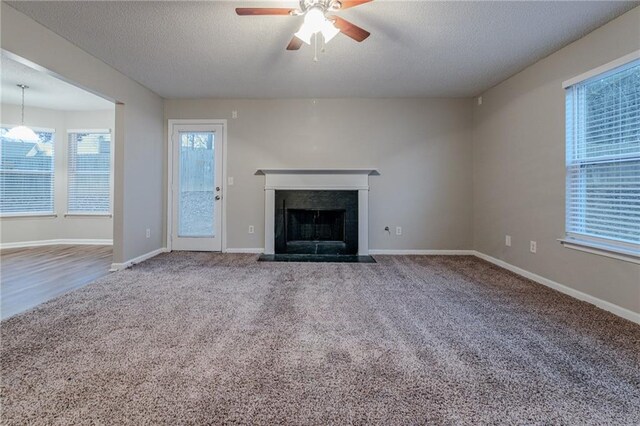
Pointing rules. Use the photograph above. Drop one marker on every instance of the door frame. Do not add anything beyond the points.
(206, 121)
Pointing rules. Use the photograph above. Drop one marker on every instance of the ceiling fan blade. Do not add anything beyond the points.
(346, 4)
(255, 11)
(294, 44)
(347, 28)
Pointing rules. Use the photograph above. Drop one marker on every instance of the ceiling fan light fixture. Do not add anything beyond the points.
(314, 20)
(22, 132)
(304, 34)
(329, 31)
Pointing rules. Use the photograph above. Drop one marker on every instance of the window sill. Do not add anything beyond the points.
(615, 252)
(97, 215)
(27, 215)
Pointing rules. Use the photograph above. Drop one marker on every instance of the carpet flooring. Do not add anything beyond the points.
(196, 338)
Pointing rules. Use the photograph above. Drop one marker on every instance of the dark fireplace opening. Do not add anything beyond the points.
(315, 225)
(316, 222)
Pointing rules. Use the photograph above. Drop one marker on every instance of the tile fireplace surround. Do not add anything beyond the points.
(318, 180)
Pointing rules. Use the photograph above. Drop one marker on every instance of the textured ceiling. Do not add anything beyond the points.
(44, 90)
(417, 48)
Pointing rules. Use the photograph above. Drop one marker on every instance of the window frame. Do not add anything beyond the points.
(111, 173)
(621, 250)
(53, 212)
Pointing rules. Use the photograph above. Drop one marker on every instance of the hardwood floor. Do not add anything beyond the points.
(31, 276)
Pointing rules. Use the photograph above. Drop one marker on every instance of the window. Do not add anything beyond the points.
(89, 172)
(26, 174)
(603, 159)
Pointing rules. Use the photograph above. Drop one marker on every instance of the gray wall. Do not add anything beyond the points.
(422, 148)
(519, 172)
(429, 182)
(13, 230)
(139, 189)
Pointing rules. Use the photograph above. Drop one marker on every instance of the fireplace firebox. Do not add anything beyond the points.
(314, 225)
(316, 222)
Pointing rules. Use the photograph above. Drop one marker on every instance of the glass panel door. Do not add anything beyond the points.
(196, 187)
(196, 190)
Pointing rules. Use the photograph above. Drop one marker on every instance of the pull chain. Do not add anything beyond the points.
(315, 47)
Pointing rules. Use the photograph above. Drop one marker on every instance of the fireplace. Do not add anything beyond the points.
(316, 222)
(354, 182)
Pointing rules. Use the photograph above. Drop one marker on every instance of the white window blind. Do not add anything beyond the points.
(89, 172)
(27, 174)
(603, 158)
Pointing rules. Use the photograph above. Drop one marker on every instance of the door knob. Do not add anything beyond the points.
(217, 189)
(217, 197)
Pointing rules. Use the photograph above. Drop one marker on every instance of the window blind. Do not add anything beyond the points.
(603, 157)
(27, 174)
(89, 172)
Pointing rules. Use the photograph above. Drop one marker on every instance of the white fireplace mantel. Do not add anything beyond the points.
(361, 171)
(317, 180)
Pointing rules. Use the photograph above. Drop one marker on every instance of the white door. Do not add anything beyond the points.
(196, 187)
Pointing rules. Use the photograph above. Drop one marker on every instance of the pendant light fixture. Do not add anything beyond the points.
(22, 132)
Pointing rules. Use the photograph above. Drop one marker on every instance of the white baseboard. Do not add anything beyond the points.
(422, 252)
(64, 241)
(120, 266)
(603, 304)
(244, 250)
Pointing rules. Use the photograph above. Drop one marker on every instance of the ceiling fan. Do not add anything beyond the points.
(316, 20)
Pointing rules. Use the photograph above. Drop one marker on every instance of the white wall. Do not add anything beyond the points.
(519, 169)
(25, 229)
(422, 148)
(139, 147)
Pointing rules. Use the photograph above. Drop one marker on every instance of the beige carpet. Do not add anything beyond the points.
(201, 338)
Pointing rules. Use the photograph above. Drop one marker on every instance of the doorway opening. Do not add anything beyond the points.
(56, 185)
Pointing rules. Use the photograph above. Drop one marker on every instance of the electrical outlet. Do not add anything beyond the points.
(398, 230)
(507, 240)
(148, 233)
(533, 247)
(251, 229)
